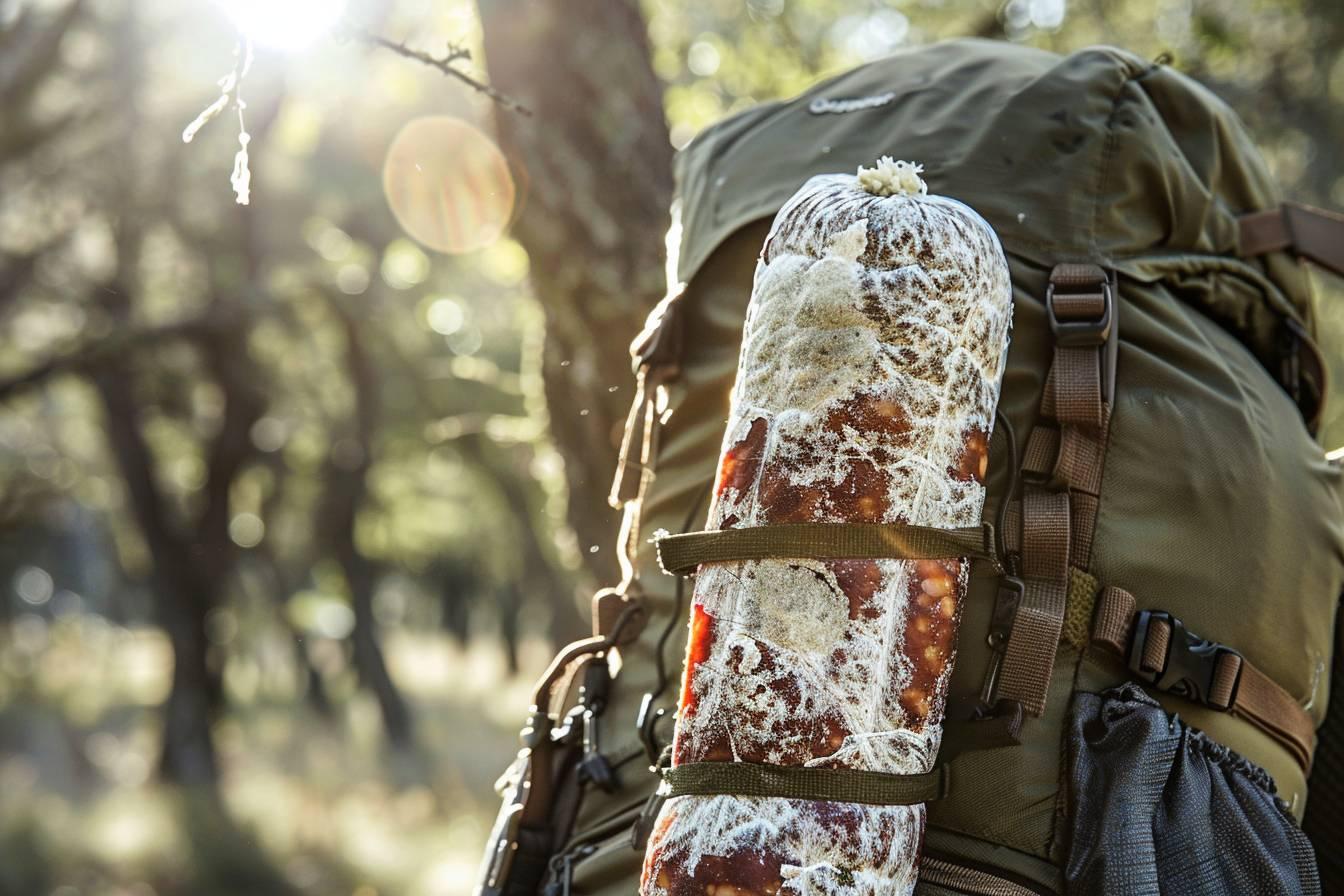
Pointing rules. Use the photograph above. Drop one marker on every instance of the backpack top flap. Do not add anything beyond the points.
(1098, 156)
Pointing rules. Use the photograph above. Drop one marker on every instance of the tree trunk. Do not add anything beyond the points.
(347, 470)
(368, 654)
(538, 573)
(594, 164)
(188, 751)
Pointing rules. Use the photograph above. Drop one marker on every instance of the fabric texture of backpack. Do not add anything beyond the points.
(1175, 526)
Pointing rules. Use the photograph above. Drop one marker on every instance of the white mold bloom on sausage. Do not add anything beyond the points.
(869, 373)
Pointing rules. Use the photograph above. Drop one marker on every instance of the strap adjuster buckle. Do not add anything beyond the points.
(1084, 332)
(1190, 664)
(1087, 332)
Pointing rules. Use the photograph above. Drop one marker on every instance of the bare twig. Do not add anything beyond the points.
(445, 64)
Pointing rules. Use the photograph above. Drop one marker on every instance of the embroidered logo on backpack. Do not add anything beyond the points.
(823, 105)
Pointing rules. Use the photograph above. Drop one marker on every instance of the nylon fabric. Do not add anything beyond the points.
(682, 554)
(1079, 306)
(1029, 656)
(1217, 505)
(1113, 619)
(1133, 136)
(1237, 686)
(1139, 778)
(1311, 233)
(1077, 381)
(1225, 679)
(749, 779)
(1155, 648)
(1215, 501)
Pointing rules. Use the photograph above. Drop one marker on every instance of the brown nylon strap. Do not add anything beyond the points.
(1045, 536)
(1083, 510)
(1076, 377)
(682, 554)
(1078, 463)
(1080, 306)
(1029, 657)
(1062, 468)
(621, 488)
(841, 785)
(1270, 708)
(1225, 679)
(1254, 696)
(1155, 648)
(1312, 233)
(1075, 276)
(1042, 451)
(1113, 619)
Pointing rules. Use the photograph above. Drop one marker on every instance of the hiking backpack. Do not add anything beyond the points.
(1161, 647)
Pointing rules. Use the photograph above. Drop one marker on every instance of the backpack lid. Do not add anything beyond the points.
(1099, 156)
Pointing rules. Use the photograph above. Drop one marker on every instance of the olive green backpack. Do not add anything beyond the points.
(1167, 513)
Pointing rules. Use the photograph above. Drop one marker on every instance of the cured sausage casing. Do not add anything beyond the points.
(869, 373)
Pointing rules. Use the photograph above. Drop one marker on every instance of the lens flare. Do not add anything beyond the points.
(448, 184)
(284, 24)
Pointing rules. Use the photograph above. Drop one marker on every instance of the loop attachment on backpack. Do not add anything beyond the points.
(1080, 305)
(839, 785)
(683, 554)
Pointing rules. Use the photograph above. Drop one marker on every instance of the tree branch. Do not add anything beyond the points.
(92, 353)
(444, 64)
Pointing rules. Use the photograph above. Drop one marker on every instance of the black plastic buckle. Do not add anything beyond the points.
(1007, 600)
(1082, 333)
(1099, 333)
(1191, 662)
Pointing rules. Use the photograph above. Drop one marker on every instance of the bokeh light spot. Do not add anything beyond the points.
(445, 316)
(247, 530)
(34, 585)
(448, 184)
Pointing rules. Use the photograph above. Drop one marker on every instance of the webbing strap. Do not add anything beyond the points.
(1076, 378)
(839, 785)
(1311, 233)
(1062, 467)
(1230, 682)
(682, 554)
(1029, 657)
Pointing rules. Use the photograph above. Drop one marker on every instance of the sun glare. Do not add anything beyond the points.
(284, 24)
(448, 184)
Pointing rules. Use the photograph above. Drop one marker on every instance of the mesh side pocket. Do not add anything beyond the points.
(1158, 807)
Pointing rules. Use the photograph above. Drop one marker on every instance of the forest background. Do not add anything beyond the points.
(297, 496)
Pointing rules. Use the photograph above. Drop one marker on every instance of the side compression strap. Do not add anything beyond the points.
(1163, 654)
(841, 785)
(681, 554)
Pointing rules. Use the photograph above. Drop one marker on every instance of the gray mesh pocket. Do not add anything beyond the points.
(1158, 807)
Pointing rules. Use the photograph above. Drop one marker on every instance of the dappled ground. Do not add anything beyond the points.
(319, 805)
